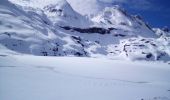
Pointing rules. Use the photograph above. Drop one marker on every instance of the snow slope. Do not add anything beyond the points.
(50, 78)
(56, 28)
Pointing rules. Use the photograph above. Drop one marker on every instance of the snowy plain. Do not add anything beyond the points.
(27, 77)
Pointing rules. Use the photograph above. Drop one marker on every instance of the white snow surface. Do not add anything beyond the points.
(79, 78)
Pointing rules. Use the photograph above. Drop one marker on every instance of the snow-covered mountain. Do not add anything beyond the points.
(79, 28)
(88, 7)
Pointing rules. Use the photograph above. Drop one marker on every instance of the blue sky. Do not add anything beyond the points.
(155, 12)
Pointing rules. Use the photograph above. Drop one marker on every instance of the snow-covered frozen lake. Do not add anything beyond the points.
(25, 77)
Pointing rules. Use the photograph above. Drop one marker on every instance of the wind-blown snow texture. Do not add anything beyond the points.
(73, 28)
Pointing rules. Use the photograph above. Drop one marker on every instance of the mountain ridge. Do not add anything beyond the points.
(56, 29)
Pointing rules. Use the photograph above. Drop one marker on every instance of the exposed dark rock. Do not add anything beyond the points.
(147, 41)
(66, 27)
(142, 40)
(166, 29)
(89, 30)
(153, 44)
(148, 26)
(78, 54)
(45, 22)
(140, 45)
(97, 42)
(8, 34)
(160, 56)
(149, 55)
(76, 38)
(44, 53)
(92, 30)
(125, 50)
(119, 35)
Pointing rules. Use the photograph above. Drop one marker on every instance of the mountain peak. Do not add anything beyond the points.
(88, 7)
(60, 28)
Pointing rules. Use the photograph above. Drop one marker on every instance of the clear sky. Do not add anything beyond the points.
(155, 12)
